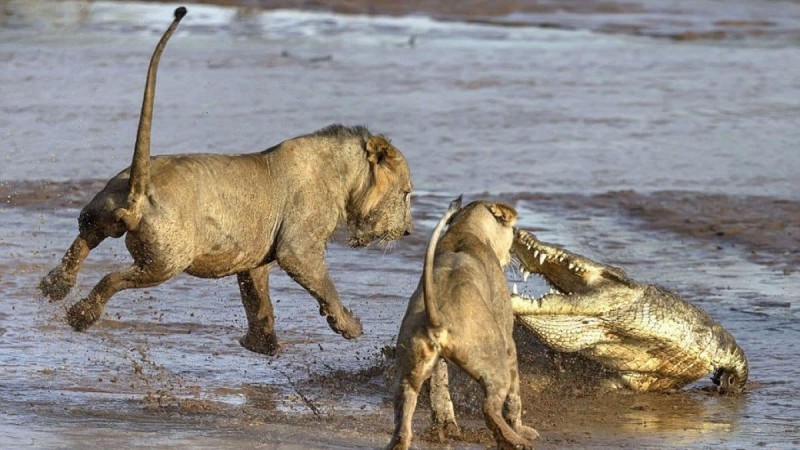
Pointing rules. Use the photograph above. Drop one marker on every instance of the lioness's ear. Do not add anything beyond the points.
(504, 214)
(379, 149)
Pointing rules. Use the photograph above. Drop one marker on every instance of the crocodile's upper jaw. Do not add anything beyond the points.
(565, 271)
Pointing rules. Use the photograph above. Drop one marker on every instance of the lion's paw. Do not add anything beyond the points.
(346, 324)
(55, 285)
(260, 343)
(83, 314)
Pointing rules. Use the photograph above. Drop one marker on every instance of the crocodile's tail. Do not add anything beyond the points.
(428, 288)
(140, 167)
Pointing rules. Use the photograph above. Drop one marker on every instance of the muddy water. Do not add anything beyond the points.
(674, 160)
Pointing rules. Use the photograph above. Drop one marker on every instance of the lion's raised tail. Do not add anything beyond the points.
(140, 167)
(428, 289)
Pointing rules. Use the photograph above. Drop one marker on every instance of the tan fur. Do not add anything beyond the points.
(213, 215)
(472, 303)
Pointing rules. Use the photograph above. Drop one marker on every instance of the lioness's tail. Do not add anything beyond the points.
(428, 289)
(140, 167)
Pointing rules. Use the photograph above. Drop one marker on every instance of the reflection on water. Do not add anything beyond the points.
(476, 109)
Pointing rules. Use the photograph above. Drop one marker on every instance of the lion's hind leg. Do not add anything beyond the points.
(86, 312)
(254, 287)
(59, 281)
(96, 222)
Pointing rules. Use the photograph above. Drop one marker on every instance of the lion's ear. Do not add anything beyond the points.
(504, 214)
(379, 149)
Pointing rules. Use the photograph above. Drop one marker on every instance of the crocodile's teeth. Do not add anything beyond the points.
(514, 289)
(536, 253)
(542, 258)
(561, 258)
(529, 246)
(571, 266)
(525, 275)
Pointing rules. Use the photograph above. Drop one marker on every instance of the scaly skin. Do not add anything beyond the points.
(652, 338)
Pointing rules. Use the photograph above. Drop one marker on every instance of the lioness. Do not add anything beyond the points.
(461, 311)
(215, 215)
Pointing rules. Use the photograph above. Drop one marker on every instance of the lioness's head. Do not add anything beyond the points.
(382, 208)
(491, 222)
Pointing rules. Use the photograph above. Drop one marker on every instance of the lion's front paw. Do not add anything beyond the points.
(260, 343)
(55, 285)
(346, 324)
(83, 314)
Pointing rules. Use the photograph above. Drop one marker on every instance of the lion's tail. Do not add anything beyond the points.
(428, 288)
(140, 167)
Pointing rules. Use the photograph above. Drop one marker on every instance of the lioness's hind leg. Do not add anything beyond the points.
(504, 434)
(495, 377)
(413, 368)
(86, 312)
(254, 287)
(59, 281)
(513, 406)
(444, 418)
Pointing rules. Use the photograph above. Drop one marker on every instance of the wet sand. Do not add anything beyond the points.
(560, 391)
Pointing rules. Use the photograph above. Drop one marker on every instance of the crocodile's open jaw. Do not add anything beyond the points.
(565, 271)
(570, 273)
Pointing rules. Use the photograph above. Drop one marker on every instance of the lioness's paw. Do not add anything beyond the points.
(519, 444)
(83, 314)
(441, 432)
(260, 343)
(55, 286)
(346, 324)
(527, 433)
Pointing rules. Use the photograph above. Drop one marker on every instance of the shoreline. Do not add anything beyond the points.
(768, 227)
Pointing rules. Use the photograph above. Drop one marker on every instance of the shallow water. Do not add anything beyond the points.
(485, 110)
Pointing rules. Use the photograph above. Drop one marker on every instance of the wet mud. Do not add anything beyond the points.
(319, 404)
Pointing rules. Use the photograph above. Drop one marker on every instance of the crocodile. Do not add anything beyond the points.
(648, 336)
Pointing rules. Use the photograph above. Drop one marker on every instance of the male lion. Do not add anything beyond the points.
(213, 215)
(461, 311)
